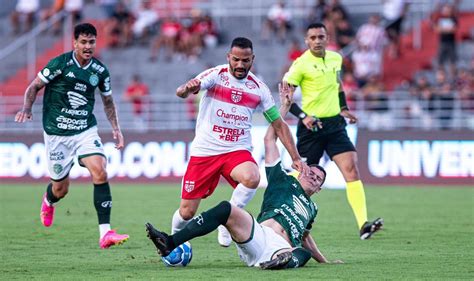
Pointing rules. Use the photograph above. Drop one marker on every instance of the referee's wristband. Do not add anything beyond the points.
(297, 111)
(342, 101)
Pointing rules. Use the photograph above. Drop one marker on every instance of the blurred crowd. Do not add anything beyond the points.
(443, 85)
(433, 94)
(168, 36)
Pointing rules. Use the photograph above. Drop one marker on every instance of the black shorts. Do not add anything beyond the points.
(332, 139)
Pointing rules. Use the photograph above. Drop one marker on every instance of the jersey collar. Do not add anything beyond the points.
(77, 62)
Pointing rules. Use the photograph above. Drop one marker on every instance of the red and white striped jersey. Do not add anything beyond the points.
(225, 112)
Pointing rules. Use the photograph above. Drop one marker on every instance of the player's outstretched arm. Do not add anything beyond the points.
(191, 87)
(282, 130)
(310, 245)
(30, 96)
(111, 113)
(271, 149)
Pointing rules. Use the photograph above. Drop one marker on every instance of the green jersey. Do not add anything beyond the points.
(286, 202)
(69, 98)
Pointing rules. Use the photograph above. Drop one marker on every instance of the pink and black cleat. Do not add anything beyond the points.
(112, 238)
(47, 213)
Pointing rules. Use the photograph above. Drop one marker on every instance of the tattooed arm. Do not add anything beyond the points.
(30, 96)
(109, 108)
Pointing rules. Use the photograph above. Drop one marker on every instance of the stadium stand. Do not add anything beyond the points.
(244, 18)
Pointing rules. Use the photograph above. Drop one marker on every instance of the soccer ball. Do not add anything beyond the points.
(180, 256)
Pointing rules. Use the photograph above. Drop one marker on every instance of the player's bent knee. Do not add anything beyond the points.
(251, 181)
(100, 176)
(187, 213)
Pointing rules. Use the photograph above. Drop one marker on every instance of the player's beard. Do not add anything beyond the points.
(244, 72)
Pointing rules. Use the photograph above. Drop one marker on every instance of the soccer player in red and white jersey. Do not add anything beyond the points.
(222, 145)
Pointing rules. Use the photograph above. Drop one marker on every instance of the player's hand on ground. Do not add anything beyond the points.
(193, 86)
(347, 114)
(337, 261)
(117, 134)
(23, 116)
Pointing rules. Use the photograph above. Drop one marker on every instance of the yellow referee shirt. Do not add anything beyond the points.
(318, 79)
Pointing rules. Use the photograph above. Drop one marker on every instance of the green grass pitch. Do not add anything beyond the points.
(429, 234)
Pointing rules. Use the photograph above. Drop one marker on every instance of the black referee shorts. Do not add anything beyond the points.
(332, 138)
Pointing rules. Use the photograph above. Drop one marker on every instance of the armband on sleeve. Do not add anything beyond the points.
(342, 101)
(272, 114)
(297, 111)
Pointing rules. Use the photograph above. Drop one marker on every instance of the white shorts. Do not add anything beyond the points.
(263, 243)
(61, 150)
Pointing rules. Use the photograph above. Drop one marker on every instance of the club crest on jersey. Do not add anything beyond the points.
(236, 96)
(94, 80)
(189, 186)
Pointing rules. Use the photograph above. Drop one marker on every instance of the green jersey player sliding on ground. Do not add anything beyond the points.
(70, 127)
(279, 237)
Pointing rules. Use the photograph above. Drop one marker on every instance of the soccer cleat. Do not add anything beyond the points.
(112, 238)
(370, 228)
(279, 262)
(223, 236)
(47, 213)
(160, 239)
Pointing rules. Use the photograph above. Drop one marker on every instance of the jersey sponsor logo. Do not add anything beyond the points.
(70, 62)
(228, 134)
(71, 74)
(94, 80)
(71, 124)
(76, 100)
(107, 84)
(53, 75)
(80, 87)
(75, 112)
(97, 143)
(189, 186)
(56, 155)
(98, 67)
(300, 208)
(235, 117)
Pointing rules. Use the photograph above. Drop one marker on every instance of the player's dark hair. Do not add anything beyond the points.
(242, 43)
(84, 28)
(316, 25)
(321, 169)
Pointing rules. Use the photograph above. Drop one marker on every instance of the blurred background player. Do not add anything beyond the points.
(321, 127)
(137, 94)
(276, 239)
(70, 127)
(222, 145)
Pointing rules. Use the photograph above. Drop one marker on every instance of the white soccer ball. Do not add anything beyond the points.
(180, 256)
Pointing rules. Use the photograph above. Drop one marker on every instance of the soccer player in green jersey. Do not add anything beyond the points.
(279, 237)
(322, 127)
(70, 127)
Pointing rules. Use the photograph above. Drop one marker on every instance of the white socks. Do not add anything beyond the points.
(242, 195)
(177, 223)
(103, 229)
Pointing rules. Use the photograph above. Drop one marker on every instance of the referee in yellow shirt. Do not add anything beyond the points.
(321, 125)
